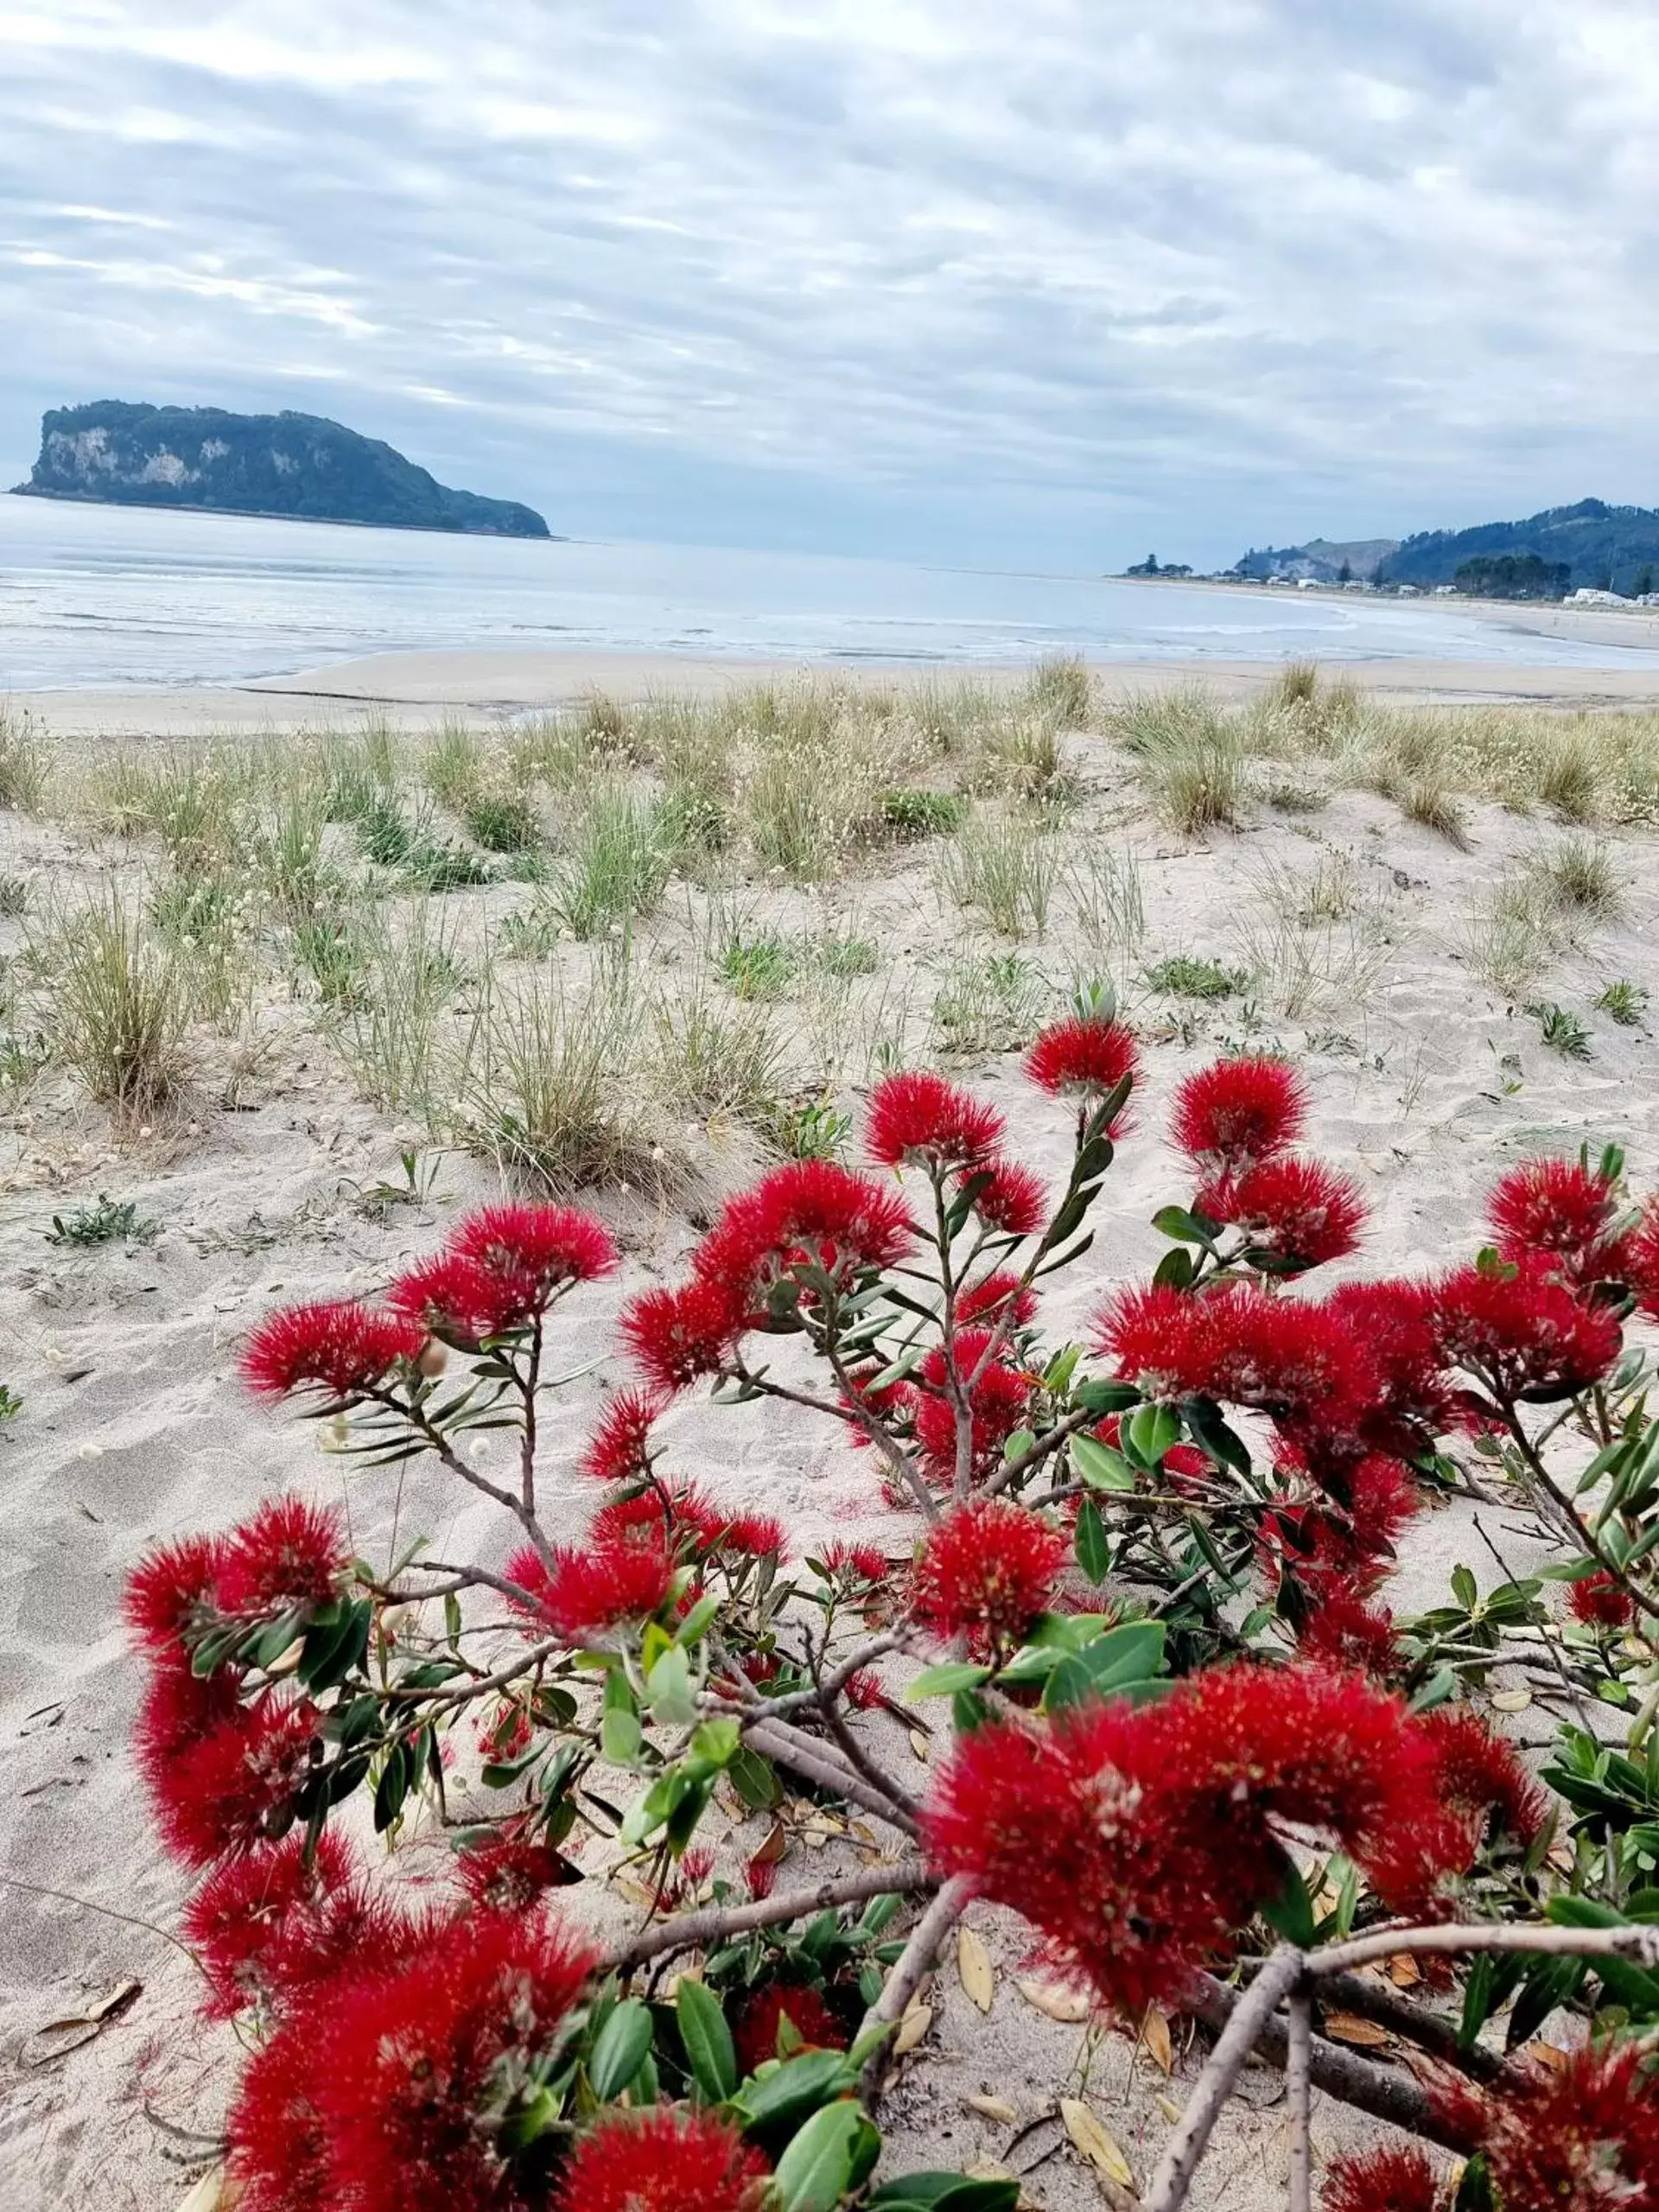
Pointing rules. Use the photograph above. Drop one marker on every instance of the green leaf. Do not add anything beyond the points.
(620, 2048)
(1291, 1913)
(946, 1680)
(707, 2039)
(619, 1734)
(1094, 1554)
(1464, 1588)
(1018, 1445)
(787, 2094)
(1185, 1228)
(815, 2171)
(715, 1743)
(935, 2192)
(1151, 1431)
(1113, 1664)
(691, 1629)
(1175, 1271)
(755, 1780)
(1100, 1466)
(1103, 1397)
(668, 1687)
(396, 1776)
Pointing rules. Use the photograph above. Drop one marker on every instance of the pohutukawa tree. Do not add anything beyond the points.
(1181, 1737)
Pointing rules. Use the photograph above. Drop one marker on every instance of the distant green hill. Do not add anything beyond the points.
(301, 465)
(1564, 548)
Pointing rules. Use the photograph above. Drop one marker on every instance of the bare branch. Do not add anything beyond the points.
(910, 1970)
(1185, 2148)
(1299, 2092)
(718, 1923)
(822, 1765)
(1640, 1944)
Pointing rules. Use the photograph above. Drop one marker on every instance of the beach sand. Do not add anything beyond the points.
(1425, 1083)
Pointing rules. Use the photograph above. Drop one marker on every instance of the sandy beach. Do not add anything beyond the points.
(266, 1180)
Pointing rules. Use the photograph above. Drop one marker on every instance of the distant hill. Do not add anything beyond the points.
(127, 454)
(1322, 559)
(1591, 545)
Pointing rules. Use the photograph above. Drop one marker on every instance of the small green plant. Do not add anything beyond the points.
(111, 1221)
(808, 1129)
(383, 830)
(620, 867)
(1624, 1002)
(530, 932)
(10, 1404)
(1190, 976)
(379, 1201)
(992, 1004)
(502, 822)
(762, 967)
(1427, 801)
(844, 957)
(453, 769)
(1580, 877)
(1562, 1031)
(446, 867)
(329, 948)
(14, 896)
(1006, 869)
(911, 814)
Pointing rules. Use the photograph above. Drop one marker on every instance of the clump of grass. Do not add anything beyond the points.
(405, 973)
(503, 821)
(911, 814)
(1190, 756)
(1580, 878)
(843, 956)
(1110, 901)
(23, 762)
(759, 967)
(290, 857)
(384, 834)
(711, 1057)
(111, 1221)
(618, 868)
(330, 949)
(1511, 937)
(205, 918)
(14, 897)
(1562, 1031)
(1190, 976)
(1005, 868)
(808, 1128)
(437, 868)
(1624, 1002)
(122, 1001)
(992, 1003)
(530, 932)
(1289, 795)
(1061, 688)
(453, 769)
(358, 772)
(1428, 802)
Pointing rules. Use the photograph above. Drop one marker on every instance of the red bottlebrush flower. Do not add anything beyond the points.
(1481, 1776)
(1380, 2181)
(754, 1535)
(1184, 1463)
(511, 1873)
(245, 1914)
(217, 1794)
(501, 1735)
(683, 1520)
(1296, 1361)
(341, 1349)
(1081, 1055)
(456, 1299)
(1640, 1258)
(1013, 1199)
(289, 1555)
(1522, 1331)
(591, 1590)
(812, 2025)
(1559, 1210)
(1157, 1339)
(178, 1709)
(278, 2145)
(759, 1876)
(1302, 1212)
(619, 1449)
(810, 1213)
(418, 2057)
(663, 2160)
(1393, 1319)
(987, 1570)
(1341, 1630)
(866, 1690)
(1600, 1600)
(171, 1590)
(1001, 1297)
(920, 1116)
(999, 1399)
(677, 1336)
(535, 1252)
(867, 1561)
(1581, 2140)
(1236, 1112)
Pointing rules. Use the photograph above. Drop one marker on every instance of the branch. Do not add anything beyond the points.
(1251, 2015)
(910, 1970)
(1640, 1943)
(818, 1763)
(714, 1924)
(833, 1683)
(1299, 2093)
(1404, 2016)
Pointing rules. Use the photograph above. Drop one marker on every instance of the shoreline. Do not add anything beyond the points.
(417, 691)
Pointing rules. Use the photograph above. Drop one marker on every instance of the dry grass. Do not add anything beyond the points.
(120, 1001)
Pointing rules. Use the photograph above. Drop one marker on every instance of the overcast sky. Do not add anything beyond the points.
(1028, 283)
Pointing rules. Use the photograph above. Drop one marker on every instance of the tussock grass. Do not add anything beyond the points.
(1109, 901)
(617, 868)
(1316, 940)
(991, 1002)
(457, 768)
(121, 1001)
(1191, 754)
(712, 1056)
(1512, 935)
(1580, 877)
(393, 981)
(24, 762)
(1005, 867)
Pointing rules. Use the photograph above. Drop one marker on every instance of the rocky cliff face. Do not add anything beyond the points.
(301, 465)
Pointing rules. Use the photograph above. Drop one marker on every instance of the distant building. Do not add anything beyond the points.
(1588, 598)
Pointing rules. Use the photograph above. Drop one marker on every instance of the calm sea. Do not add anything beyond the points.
(92, 596)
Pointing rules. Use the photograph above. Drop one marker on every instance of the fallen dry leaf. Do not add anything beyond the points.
(212, 2193)
(59, 2038)
(914, 2025)
(1169, 2108)
(996, 2108)
(1511, 1701)
(974, 1965)
(1069, 2006)
(1091, 2138)
(1348, 2027)
(1154, 2033)
(918, 1745)
(1546, 2054)
(1404, 1971)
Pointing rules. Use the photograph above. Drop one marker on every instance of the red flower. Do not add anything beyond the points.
(814, 2025)
(620, 1448)
(537, 1251)
(171, 1590)
(278, 2147)
(920, 1116)
(663, 2160)
(1298, 1361)
(1641, 1258)
(1081, 1055)
(683, 1519)
(178, 1709)
(1522, 1331)
(289, 1555)
(866, 1690)
(1578, 2141)
(217, 1793)
(1558, 1210)
(246, 1911)
(1156, 1339)
(987, 1570)
(456, 1299)
(759, 1876)
(1236, 1112)
(1001, 1297)
(808, 1213)
(1600, 1601)
(1481, 1776)
(1303, 1212)
(999, 1399)
(341, 1349)
(1393, 1319)
(1013, 1199)
(755, 1536)
(510, 1873)
(591, 1590)
(677, 1336)
(418, 2059)
(1341, 1630)
(866, 1561)
(1380, 2181)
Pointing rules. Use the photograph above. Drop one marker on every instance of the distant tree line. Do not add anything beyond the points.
(1513, 575)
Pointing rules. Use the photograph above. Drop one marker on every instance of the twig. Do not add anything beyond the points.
(817, 1763)
(107, 1911)
(910, 1970)
(1187, 2146)
(1640, 1944)
(778, 1708)
(1403, 2016)
(1299, 2092)
(716, 1924)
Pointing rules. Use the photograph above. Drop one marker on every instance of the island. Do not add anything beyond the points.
(299, 468)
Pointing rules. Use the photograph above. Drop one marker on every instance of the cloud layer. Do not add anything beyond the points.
(1047, 284)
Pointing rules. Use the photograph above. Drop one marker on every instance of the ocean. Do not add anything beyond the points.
(103, 597)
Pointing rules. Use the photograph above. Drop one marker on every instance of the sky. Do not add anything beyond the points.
(1048, 285)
